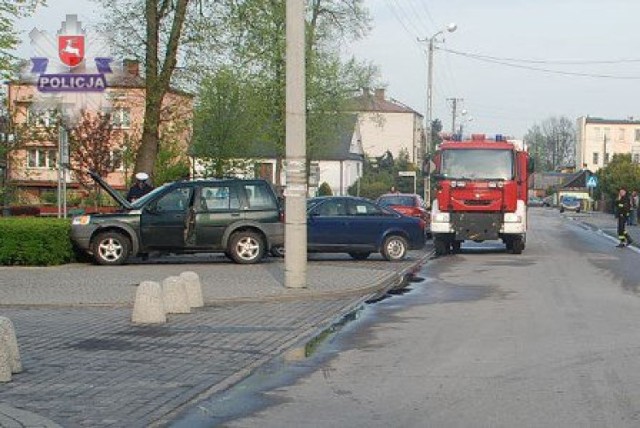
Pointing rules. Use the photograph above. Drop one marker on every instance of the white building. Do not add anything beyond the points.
(597, 140)
(388, 125)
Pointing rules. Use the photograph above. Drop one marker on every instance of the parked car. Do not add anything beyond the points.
(359, 227)
(570, 203)
(240, 218)
(409, 204)
(535, 201)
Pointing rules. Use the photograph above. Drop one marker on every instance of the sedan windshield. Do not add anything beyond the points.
(477, 164)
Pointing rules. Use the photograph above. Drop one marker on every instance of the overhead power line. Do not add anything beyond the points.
(548, 61)
(493, 60)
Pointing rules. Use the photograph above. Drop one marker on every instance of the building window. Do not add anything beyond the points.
(597, 134)
(637, 139)
(636, 157)
(121, 118)
(595, 159)
(607, 133)
(115, 156)
(621, 134)
(41, 158)
(41, 118)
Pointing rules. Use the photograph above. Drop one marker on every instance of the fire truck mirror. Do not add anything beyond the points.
(531, 166)
(426, 166)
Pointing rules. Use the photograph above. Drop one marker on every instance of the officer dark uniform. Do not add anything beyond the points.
(623, 206)
(140, 187)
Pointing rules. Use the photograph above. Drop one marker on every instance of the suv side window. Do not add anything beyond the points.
(259, 196)
(214, 198)
(176, 200)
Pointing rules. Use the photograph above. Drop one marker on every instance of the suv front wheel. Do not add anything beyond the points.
(110, 248)
(246, 247)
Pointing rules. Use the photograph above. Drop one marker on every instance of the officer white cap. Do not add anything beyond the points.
(142, 176)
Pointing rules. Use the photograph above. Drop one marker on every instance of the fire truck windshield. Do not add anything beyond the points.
(477, 164)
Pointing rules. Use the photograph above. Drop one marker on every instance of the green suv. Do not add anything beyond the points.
(237, 217)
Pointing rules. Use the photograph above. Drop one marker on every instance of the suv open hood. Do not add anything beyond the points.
(110, 190)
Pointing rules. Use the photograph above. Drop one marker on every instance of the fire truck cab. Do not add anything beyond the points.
(480, 193)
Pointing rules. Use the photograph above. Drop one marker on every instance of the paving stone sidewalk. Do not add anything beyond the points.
(88, 366)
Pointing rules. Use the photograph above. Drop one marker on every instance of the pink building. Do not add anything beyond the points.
(32, 168)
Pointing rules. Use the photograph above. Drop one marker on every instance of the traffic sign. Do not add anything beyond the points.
(592, 181)
(407, 173)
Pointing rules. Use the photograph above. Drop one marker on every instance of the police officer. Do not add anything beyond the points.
(140, 188)
(623, 206)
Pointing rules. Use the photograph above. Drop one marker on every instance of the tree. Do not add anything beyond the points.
(620, 172)
(91, 148)
(552, 143)
(164, 23)
(10, 12)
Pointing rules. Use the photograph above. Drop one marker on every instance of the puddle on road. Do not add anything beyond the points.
(251, 394)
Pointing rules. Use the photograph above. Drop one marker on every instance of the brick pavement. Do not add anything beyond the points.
(87, 365)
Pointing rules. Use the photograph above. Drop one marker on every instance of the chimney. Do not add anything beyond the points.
(131, 67)
(380, 94)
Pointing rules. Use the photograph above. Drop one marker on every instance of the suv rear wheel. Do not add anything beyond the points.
(246, 247)
(110, 248)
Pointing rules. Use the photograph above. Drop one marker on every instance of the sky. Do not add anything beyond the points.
(594, 42)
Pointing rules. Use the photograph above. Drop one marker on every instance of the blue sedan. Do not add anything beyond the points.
(359, 227)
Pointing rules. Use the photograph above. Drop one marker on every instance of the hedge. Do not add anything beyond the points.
(35, 241)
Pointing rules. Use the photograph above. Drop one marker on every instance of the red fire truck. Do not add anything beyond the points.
(481, 193)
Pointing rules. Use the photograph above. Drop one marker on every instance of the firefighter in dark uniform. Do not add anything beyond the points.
(623, 208)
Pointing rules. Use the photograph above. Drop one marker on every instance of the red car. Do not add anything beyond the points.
(408, 204)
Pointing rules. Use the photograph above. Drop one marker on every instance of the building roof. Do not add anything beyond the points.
(577, 180)
(378, 103)
(327, 149)
(332, 145)
(599, 120)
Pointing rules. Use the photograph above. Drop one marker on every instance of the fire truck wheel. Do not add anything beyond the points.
(441, 246)
(518, 246)
(394, 248)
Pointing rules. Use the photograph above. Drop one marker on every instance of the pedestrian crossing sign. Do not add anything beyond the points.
(592, 181)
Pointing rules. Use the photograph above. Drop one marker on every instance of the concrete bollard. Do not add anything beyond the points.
(149, 305)
(175, 296)
(5, 367)
(9, 352)
(194, 289)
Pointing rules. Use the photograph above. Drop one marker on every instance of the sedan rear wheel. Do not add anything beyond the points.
(394, 248)
(246, 247)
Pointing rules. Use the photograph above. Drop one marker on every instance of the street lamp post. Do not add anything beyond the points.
(429, 113)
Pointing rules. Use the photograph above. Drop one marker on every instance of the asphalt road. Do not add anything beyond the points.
(489, 339)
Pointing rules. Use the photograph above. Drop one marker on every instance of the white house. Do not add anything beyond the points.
(387, 124)
(336, 159)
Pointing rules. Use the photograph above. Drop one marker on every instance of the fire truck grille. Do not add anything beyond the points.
(477, 203)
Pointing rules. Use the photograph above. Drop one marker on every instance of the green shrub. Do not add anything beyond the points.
(35, 241)
(325, 190)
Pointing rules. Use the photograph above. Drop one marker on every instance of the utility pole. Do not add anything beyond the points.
(454, 112)
(295, 259)
(429, 113)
